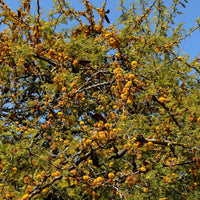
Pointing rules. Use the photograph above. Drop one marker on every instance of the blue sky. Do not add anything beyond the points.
(190, 46)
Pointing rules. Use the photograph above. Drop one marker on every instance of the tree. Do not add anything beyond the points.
(98, 110)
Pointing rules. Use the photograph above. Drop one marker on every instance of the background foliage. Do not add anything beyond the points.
(97, 111)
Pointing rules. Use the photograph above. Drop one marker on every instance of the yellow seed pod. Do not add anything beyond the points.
(82, 123)
(179, 58)
(131, 76)
(85, 178)
(111, 175)
(133, 63)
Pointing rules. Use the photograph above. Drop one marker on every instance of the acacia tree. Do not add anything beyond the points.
(97, 111)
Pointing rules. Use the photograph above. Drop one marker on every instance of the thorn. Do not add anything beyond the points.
(108, 21)
(18, 13)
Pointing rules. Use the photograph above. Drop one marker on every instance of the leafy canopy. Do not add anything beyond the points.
(97, 110)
